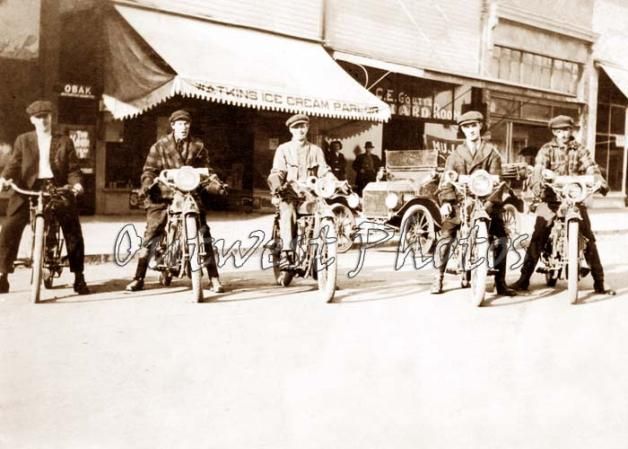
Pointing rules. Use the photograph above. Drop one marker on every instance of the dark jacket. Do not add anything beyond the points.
(23, 165)
(165, 155)
(486, 157)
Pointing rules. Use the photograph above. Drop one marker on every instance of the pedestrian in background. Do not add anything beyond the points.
(336, 160)
(366, 166)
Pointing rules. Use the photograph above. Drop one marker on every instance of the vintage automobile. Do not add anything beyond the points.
(404, 197)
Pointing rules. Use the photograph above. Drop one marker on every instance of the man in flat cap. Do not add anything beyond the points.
(295, 160)
(366, 166)
(174, 150)
(41, 159)
(474, 154)
(564, 156)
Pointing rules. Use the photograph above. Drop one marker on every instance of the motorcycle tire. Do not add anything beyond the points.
(327, 259)
(479, 273)
(38, 258)
(193, 243)
(573, 260)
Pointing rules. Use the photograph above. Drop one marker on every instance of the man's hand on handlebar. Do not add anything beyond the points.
(445, 209)
(77, 189)
(5, 184)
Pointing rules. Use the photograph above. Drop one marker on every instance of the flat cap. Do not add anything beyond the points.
(180, 114)
(561, 121)
(470, 116)
(296, 119)
(40, 107)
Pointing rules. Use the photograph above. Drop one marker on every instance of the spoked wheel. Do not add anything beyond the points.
(479, 272)
(573, 260)
(418, 230)
(326, 260)
(48, 275)
(345, 224)
(193, 243)
(510, 215)
(38, 258)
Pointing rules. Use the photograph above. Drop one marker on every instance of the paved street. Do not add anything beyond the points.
(387, 366)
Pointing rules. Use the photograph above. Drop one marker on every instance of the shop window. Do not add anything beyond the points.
(532, 111)
(618, 119)
(503, 106)
(536, 70)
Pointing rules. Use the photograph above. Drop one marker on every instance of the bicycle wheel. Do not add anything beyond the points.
(38, 258)
(193, 250)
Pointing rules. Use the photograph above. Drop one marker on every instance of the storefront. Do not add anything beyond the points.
(424, 111)
(239, 84)
(611, 146)
(518, 123)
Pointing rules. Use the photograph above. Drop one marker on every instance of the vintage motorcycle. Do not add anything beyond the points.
(181, 251)
(47, 244)
(471, 250)
(316, 243)
(563, 254)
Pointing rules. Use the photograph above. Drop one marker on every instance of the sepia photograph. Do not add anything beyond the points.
(305, 224)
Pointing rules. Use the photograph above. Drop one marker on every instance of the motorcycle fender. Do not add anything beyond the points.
(325, 211)
(189, 205)
(573, 214)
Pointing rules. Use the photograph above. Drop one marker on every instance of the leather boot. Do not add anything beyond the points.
(80, 286)
(4, 283)
(598, 287)
(437, 284)
(215, 285)
(499, 258)
(140, 273)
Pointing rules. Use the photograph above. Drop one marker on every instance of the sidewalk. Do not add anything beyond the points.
(102, 231)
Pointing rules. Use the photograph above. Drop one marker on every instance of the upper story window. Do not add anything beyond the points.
(536, 70)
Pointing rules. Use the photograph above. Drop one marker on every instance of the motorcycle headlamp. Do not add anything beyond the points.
(392, 200)
(481, 183)
(353, 200)
(325, 187)
(187, 179)
(574, 191)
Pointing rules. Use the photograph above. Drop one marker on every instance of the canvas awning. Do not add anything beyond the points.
(618, 76)
(225, 64)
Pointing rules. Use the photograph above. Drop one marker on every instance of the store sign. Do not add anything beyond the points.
(430, 104)
(77, 91)
(444, 147)
(82, 143)
(283, 101)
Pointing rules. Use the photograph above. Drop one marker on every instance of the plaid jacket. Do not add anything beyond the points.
(164, 155)
(572, 159)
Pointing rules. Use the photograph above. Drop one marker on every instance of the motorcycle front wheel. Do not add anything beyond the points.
(479, 272)
(326, 259)
(193, 243)
(572, 260)
(38, 258)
